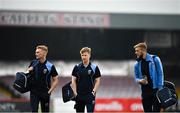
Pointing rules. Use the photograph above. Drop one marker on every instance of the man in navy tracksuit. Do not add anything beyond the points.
(149, 74)
(85, 82)
(41, 86)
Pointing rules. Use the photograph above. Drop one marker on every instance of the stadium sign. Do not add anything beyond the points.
(15, 105)
(14, 18)
(89, 20)
(31, 19)
(118, 105)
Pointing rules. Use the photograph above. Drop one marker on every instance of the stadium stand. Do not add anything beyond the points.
(6, 89)
(111, 87)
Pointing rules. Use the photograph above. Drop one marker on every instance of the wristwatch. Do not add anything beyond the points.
(93, 92)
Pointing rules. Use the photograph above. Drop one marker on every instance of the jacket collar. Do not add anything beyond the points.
(82, 65)
(149, 57)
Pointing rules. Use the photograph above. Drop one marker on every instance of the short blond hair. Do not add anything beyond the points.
(43, 47)
(85, 49)
(142, 45)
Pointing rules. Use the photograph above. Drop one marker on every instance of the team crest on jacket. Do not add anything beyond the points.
(89, 72)
(45, 71)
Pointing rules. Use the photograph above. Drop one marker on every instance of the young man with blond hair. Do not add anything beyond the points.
(85, 82)
(42, 74)
(149, 74)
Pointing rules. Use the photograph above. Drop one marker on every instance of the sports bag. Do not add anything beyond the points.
(67, 92)
(167, 96)
(23, 81)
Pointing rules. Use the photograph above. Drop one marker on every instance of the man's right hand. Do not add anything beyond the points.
(29, 69)
(143, 82)
(75, 94)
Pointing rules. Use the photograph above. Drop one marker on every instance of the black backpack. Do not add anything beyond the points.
(167, 96)
(67, 92)
(23, 81)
